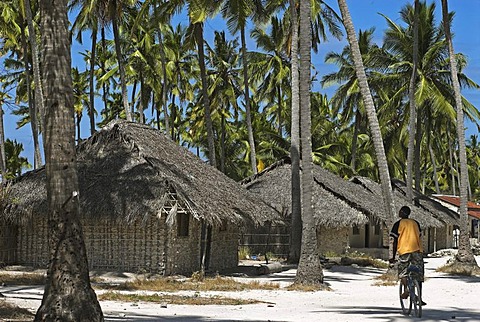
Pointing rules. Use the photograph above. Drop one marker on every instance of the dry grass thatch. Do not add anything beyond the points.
(273, 184)
(424, 215)
(338, 202)
(128, 171)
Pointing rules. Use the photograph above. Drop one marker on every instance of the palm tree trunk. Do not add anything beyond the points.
(309, 270)
(163, 60)
(465, 254)
(248, 112)
(39, 99)
(105, 86)
(206, 101)
(296, 221)
(68, 295)
(3, 161)
(356, 130)
(32, 111)
(413, 109)
(371, 113)
(91, 110)
(121, 69)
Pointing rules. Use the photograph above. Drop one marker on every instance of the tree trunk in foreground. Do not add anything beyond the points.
(68, 295)
(296, 222)
(309, 270)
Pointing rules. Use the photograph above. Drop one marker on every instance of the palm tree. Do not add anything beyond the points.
(371, 112)
(112, 11)
(347, 100)
(3, 161)
(465, 254)
(88, 18)
(12, 29)
(433, 83)
(413, 110)
(237, 13)
(68, 295)
(309, 267)
(296, 230)
(15, 164)
(39, 98)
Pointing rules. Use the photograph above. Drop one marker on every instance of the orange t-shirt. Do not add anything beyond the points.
(408, 233)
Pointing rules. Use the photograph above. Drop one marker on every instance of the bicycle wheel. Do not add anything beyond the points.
(406, 304)
(416, 295)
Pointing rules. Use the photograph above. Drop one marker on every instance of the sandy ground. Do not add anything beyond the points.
(353, 297)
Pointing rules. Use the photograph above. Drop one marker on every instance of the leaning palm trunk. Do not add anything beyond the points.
(296, 224)
(68, 295)
(371, 112)
(309, 270)
(465, 254)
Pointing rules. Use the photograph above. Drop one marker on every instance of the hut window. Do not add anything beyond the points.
(377, 229)
(356, 230)
(182, 224)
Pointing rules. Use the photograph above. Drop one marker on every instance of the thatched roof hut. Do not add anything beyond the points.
(425, 216)
(128, 171)
(431, 205)
(143, 202)
(273, 184)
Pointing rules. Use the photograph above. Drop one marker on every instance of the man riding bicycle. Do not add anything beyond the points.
(406, 236)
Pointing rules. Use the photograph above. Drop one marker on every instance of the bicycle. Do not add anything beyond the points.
(414, 293)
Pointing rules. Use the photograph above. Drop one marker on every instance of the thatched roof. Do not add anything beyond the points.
(338, 202)
(273, 184)
(428, 203)
(421, 214)
(128, 171)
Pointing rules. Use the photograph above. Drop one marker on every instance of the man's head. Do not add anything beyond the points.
(404, 212)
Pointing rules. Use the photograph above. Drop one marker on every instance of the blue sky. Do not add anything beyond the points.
(365, 14)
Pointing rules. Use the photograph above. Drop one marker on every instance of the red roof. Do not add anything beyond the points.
(473, 208)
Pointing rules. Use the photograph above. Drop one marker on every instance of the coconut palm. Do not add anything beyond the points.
(270, 69)
(347, 99)
(68, 295)
(39, 98)
(12, 29)
(465, 254)
(237, 13)
(411, 97)
(433, 84)
(88, 18)
(15, 164)
(371, 111)
(309, 267)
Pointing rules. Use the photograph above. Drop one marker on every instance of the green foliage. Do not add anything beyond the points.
(243, 253)
(15, 163)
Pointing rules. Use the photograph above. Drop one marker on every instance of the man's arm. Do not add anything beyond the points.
(393, 242)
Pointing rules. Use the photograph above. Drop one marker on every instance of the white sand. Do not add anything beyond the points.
(353, 298)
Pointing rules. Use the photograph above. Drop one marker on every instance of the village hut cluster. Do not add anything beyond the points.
(146, 204)
(150, 205)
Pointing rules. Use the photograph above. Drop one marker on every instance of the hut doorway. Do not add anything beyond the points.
(367, 236)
